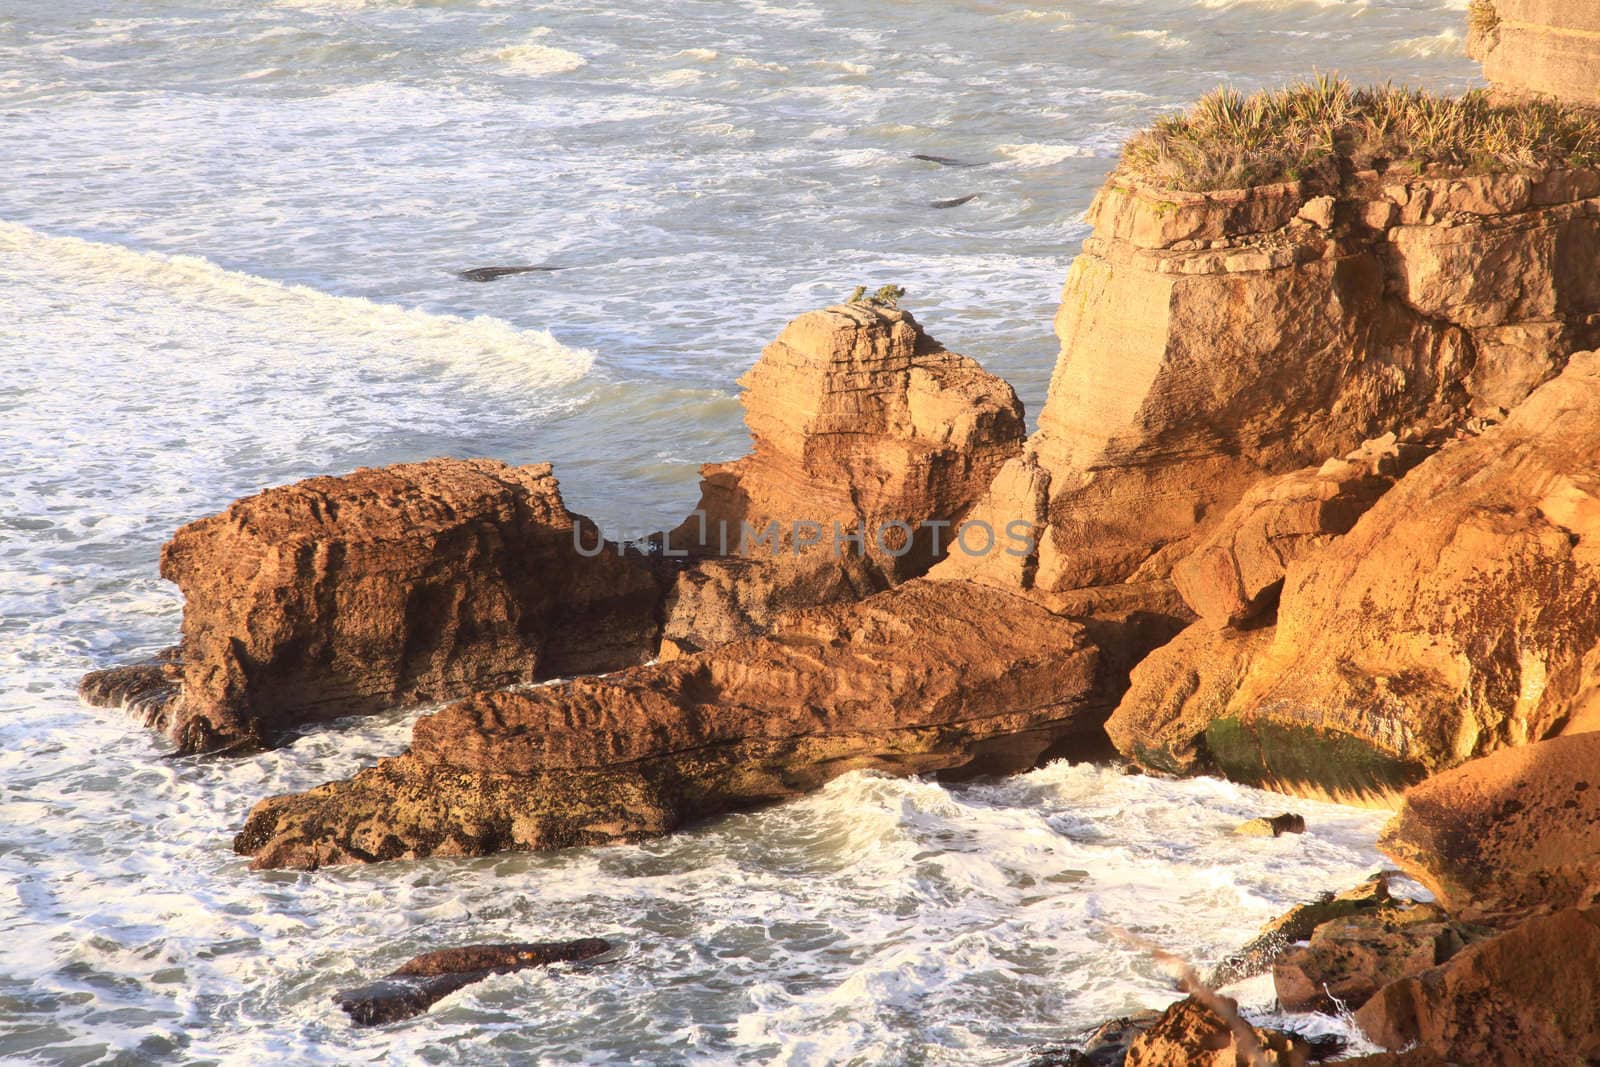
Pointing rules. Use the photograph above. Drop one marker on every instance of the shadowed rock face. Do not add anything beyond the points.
(419, 983)
(1539, 46)
(928, 677)
(1209, 340)
(858, 419)
(418, 582)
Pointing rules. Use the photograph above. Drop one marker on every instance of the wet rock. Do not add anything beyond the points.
(417, 984)
(1516, 830)
(418, 582)
(1298, 924)
(871, 444)
(1275, 826)
(954, 201)
(930, 677)
(1104, 1046)
(1529, 996)
(147, 690)
(489, 274)
(946, 161)
(1190, 1034)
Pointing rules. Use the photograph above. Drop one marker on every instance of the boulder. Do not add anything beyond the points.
(1191, 1034)
(871, 442)
(1516, 830)
(400, 585)
(1349, 959)
(1298, 924)
(928, 677)
(1528, 996)
(1273, 826)
(417, 984)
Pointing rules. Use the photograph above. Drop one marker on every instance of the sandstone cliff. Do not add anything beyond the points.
(871, 442)
(1212, 339)
(1538, 46)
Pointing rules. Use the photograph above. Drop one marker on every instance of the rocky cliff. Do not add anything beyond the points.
(871, 443)
(1213, 339)
(1538, 46)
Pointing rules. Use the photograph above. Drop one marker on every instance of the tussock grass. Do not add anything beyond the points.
(1481, 16)
(1229, 140)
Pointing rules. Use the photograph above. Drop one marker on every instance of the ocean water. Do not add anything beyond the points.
(228, 238)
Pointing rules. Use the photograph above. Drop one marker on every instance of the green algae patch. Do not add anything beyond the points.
(1306, 759)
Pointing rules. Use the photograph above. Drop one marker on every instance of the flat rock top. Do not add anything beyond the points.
(372, 504)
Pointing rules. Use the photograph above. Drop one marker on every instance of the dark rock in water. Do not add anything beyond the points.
(1105, 1046)
(489, 274)
(1298, 924)
(946, 161)
(418, 983)
(956, 202)
(1277, 826)
(148, 689)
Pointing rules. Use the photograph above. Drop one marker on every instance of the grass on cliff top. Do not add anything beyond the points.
(1229, 140)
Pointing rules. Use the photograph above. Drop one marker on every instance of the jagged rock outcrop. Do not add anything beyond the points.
(1538, 46)
(1233, 576)
(927, 677)
(1297, 924)
(1212, 339)
(418, 582)
(1191, 1034)
(1461, 614)
(871, 442)
(1516, 830)
(1348, 960)
(1529, 996)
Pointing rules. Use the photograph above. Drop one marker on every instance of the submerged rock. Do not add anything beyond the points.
(929, 677)
(418, 582)
(148, 690)
(489, 274)
(417, 984)
(1275, 826)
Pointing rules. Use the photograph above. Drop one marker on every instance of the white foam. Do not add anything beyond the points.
(533, 59)
(1444, 43)
(1044, 155)
(355, 327)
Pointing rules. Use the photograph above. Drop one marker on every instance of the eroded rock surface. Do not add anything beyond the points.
(418, 582)
(1529, 996)
(859, 421)
(1538, 46)
(1516, 830)
(1347, 960)
(928, 677)
(1190, 1034)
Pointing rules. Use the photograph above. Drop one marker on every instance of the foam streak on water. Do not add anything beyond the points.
(229, 238)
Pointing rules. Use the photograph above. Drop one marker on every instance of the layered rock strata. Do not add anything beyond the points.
(418, 582)
(1212, 339)
(1538, 46)
(1461, 614)
(871, 442)
(928, 677)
